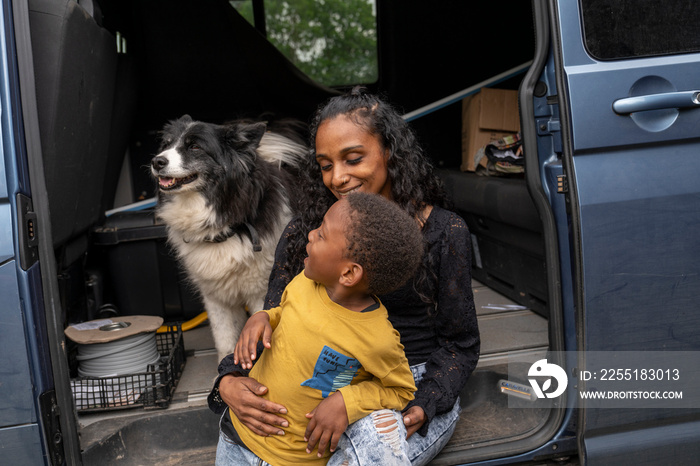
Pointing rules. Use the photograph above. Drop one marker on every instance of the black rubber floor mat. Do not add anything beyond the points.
(486, 417)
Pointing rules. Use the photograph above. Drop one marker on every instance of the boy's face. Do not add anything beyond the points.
(327, 246)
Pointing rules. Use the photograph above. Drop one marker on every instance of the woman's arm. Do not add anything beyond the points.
(449, 368)
(226, 368)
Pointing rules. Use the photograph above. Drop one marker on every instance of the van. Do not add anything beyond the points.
(585, 245)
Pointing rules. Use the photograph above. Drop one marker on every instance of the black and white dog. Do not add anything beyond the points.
(224, 195)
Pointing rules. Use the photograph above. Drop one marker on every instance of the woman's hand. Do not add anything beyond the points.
(327, 423)
(413, 419)
(256, 328)
(243, 396)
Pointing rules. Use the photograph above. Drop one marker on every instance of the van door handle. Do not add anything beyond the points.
(682, 99)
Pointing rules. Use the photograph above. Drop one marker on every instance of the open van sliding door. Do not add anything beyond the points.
(628, 79)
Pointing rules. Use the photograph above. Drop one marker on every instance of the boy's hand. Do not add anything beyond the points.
(327, 423)
(258, 327)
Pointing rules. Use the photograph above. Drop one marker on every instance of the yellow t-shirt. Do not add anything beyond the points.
(319, 347)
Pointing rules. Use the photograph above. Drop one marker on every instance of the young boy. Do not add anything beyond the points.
(330, 332)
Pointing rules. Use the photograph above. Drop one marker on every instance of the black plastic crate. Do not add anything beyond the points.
(152, 389)
(142, 275)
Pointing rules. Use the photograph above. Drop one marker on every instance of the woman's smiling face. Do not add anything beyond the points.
(351, 159)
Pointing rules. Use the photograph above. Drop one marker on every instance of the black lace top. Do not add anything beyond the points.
(442, 333)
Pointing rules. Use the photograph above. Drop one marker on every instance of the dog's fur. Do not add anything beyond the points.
(221, 186)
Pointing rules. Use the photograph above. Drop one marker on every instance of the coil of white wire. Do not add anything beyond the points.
(128, 355)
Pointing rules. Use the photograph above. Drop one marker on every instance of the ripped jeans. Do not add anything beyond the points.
(369, 441)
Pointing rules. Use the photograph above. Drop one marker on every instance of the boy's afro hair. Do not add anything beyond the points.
(384, 240)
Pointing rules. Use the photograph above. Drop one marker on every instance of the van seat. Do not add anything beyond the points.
(502, 199)
(507, 241)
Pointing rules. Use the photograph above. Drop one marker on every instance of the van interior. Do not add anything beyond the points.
(110, 73)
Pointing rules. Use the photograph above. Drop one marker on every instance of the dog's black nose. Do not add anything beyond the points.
(159, 162)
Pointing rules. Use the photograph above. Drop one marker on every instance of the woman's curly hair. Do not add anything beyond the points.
(414, 185)
(384, 240)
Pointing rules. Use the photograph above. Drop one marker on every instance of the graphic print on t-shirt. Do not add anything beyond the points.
(332, 371)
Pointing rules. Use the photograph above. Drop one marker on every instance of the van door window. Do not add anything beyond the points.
(616, 29)
(333, 41)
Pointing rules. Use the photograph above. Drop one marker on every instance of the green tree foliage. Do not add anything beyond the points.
(332, 41)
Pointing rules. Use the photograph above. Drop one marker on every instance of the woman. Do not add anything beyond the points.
(362, 143)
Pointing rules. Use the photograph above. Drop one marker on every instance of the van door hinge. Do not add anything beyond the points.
(50, 417)
(562, 184)
(27, 229)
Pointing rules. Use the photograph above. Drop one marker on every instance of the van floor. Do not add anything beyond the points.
(186, 432)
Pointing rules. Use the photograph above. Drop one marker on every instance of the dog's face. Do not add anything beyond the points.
(195, 155)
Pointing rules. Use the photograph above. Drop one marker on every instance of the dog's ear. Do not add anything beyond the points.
(166, 135)
(173, 125)
(245, 134)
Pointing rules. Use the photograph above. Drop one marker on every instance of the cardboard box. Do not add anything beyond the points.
(487, 116)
